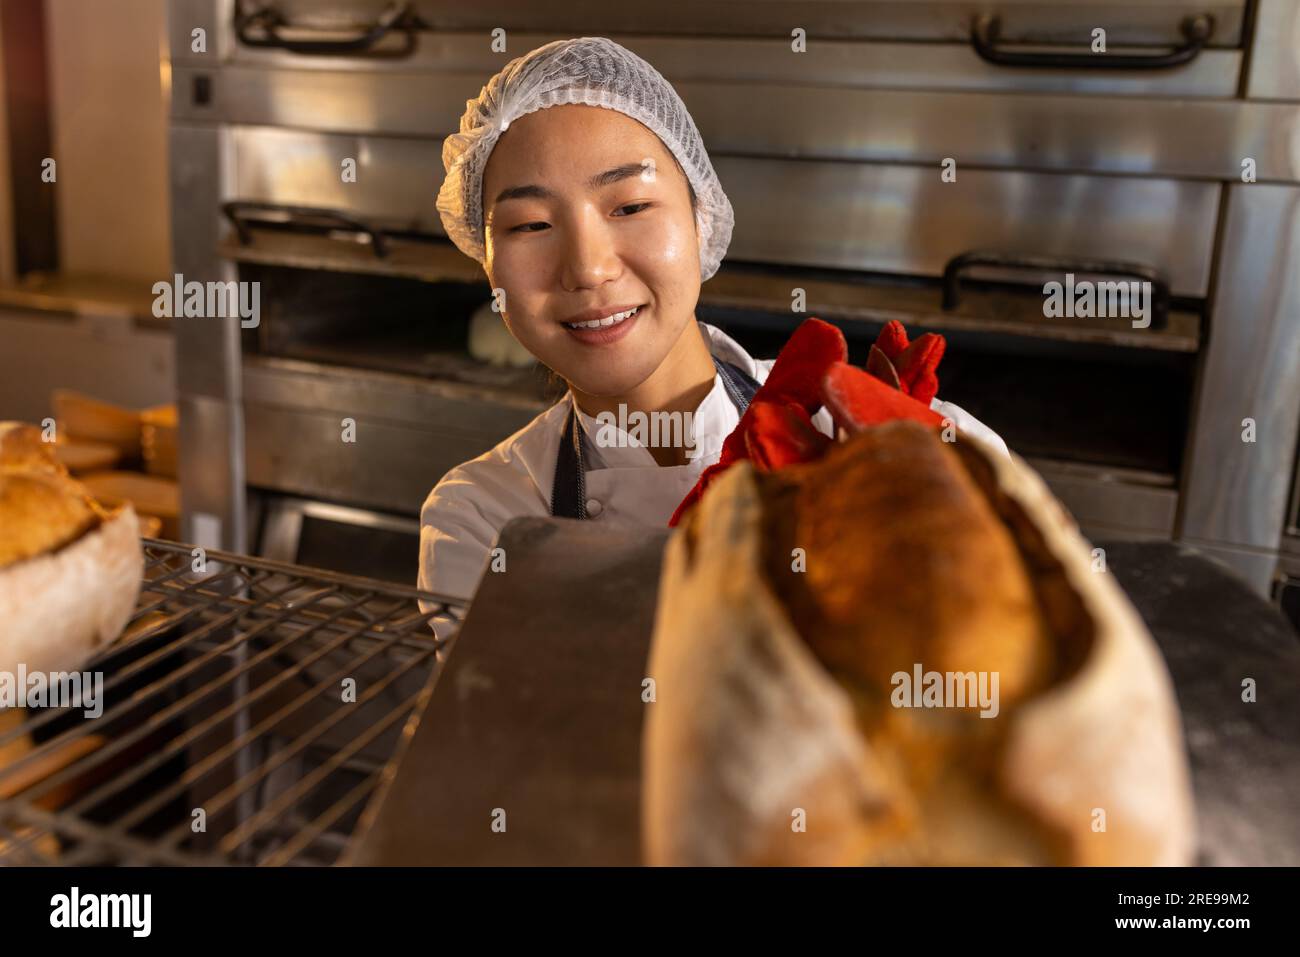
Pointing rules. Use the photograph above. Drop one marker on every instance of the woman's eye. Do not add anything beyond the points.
(628, 210)
(635, 207)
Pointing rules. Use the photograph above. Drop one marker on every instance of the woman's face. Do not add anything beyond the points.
(587, 211)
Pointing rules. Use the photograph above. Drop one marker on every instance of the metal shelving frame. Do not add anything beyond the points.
(227, 734)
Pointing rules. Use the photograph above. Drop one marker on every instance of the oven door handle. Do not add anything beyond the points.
(1057, 264)
(306, 216)
(984, 38)
(261, 28)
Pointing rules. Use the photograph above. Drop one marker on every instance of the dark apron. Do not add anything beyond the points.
(569, 493)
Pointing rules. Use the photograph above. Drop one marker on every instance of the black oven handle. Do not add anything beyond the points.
(308, 216)
(1196, 30)
(261, 27)
(1057, 264)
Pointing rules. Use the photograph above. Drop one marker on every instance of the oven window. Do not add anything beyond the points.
(363, 550)
(384, 323)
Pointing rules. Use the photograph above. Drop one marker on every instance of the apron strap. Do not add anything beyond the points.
(740, 385)
(569, 490)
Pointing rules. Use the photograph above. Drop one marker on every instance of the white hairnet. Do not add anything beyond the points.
(593, 71)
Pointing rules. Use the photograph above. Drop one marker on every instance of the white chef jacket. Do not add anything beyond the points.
(625, 487)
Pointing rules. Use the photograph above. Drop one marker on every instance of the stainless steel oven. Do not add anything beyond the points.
(1173, 157)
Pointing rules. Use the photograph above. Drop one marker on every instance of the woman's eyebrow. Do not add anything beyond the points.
(599, 181)
(611, 176)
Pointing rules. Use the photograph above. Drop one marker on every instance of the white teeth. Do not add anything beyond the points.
(607, 321)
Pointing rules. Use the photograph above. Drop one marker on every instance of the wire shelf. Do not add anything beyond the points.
(248, 713)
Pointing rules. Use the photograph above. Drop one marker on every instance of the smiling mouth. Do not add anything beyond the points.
(611, 320)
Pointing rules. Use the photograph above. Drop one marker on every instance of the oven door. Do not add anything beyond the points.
(1158, 47)
(354, 541)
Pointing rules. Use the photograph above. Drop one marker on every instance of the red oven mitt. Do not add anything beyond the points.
(811, 371)
(909, 367)
(858, 400)
(792, 392)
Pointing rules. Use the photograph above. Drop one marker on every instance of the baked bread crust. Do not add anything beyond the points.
(70, 571)
(22, 449)
(39, 514)
(41, 508)
(906, 562)
(758, 721)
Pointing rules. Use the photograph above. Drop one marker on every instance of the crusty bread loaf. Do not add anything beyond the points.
(41, 508)
(906, 562)
(70, 571)
(39, 513)
(789, 601)
(22, 450)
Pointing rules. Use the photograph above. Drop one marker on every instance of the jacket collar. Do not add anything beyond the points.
(713, 415)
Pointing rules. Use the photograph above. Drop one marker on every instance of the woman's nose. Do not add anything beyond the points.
(590, 257)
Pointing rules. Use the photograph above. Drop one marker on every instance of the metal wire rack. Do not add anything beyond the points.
(248, 713)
